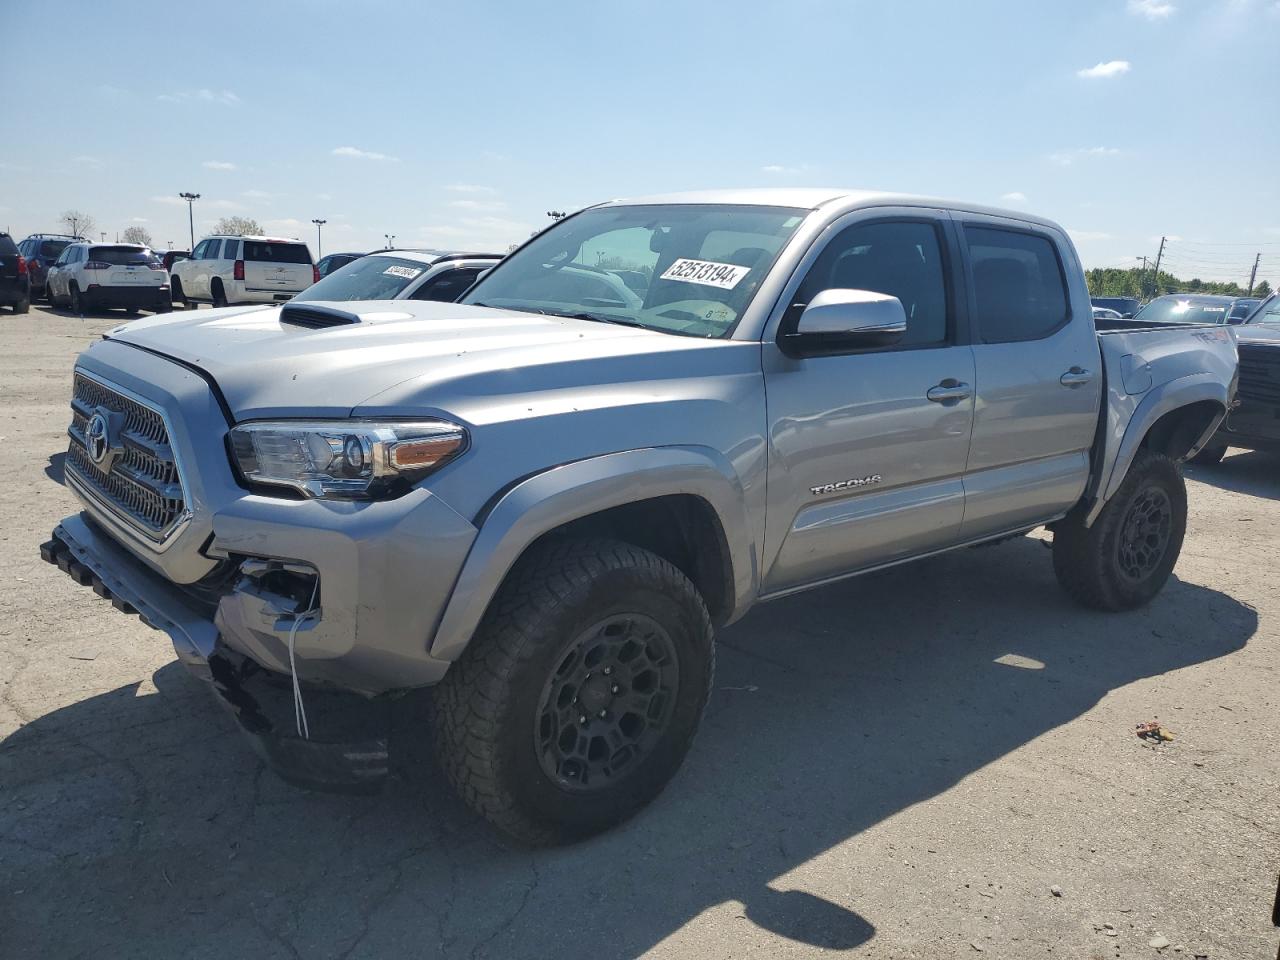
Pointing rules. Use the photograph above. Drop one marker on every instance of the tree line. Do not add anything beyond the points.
(1137, 282)
(83, 225)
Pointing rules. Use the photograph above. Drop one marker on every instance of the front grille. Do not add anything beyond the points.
(141, 485)
(1259, 373)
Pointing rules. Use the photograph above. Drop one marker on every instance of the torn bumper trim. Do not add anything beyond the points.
(92, 559)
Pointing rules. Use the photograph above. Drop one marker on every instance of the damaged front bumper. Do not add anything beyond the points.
(93, 559)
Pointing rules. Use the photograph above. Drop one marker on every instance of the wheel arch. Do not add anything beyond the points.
(683, 503)
(1176, 419)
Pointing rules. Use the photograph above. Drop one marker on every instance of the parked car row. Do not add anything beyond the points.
(1179, 308)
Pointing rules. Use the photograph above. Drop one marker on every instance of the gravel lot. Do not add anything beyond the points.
(903, 766)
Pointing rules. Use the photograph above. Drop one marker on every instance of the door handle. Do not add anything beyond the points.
(949, 391)
(1075, 377)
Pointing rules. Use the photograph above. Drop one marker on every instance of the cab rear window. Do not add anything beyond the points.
(265, 252)
(121, 256)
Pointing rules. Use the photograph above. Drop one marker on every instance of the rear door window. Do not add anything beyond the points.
(1018, 284)
(262, 251)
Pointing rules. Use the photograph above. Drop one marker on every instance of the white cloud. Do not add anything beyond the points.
(204, 95)
(1064, 158)
(778, 169)
(1017, 196)
(218, 165)
(323, 196)
(173, 200)
(478, 204)
(139, 220)
(359, 154)
(1084, 236)
(86, 161)
(1112, 68)
(290, 226)
(471, 188)
(1151, 9)
(257, 195)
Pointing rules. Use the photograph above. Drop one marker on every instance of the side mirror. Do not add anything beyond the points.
(839, 321)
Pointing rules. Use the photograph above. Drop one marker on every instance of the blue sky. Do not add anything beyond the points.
(462, 124)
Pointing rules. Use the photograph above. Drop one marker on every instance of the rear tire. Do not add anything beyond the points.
(175, 292)
(219, 295)
(596, 626)
(22, 306)
(1210, 455)
(76, 301)
(1126, 557)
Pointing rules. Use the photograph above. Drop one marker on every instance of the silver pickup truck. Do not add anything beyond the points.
(544, 500)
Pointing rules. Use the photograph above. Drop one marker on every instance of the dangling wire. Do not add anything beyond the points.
(300, 711)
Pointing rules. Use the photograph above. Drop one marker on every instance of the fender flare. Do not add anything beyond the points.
(1161, 401)
(556, 496)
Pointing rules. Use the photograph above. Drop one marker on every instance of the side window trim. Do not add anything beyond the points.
(954, 277)
(1010, 226)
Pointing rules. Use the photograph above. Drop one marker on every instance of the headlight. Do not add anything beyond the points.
(344, 459)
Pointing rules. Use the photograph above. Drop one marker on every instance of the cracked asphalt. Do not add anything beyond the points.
(900, 766)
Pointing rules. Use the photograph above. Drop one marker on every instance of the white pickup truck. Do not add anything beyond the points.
(543, 500)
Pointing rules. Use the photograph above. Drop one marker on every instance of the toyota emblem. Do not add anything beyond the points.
(97, 438)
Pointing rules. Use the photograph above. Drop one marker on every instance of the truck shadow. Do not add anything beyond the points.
(138, 823)
(1242, 471)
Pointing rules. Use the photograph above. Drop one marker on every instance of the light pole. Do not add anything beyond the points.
(557, 214)
(391, 239)
(191, 199)
(319, 249)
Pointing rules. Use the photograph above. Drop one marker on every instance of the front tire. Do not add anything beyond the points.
(580, 694)
(1126, 557)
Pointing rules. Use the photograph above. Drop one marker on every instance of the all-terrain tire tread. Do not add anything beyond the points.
(1081, 560)
(467, 706)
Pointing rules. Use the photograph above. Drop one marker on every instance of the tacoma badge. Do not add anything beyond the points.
(845, 484)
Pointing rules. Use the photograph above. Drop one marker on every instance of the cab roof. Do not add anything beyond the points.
(812, 198)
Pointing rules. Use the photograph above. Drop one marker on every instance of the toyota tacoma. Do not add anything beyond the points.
(544, 500)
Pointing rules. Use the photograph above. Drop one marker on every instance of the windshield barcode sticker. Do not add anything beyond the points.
(405, 273)
(706, 272)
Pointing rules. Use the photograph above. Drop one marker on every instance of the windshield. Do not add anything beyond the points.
(369, 278)
(1184, 310)
(689, 269)
(1269, 312)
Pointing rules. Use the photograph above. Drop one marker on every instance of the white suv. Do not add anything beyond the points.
(225, 270)
(91, 276)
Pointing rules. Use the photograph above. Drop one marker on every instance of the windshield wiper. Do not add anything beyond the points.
(617, 321)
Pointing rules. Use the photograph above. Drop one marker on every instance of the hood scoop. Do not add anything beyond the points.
(315, 317)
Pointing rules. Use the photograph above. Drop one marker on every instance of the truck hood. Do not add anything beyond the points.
(409, 354)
